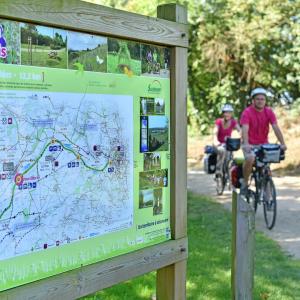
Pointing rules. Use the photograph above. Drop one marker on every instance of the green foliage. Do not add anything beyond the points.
(236, 46)
(113, 65)
(208, 276)
(134, 49)
(29, 31)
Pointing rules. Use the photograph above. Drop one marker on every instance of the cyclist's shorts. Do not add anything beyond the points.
(250, 154)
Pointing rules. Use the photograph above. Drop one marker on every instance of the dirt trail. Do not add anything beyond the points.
(287, 228)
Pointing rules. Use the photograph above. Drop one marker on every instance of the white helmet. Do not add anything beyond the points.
(257, 91)
(227, 107)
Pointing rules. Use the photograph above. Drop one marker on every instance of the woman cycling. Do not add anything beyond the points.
(223, 129)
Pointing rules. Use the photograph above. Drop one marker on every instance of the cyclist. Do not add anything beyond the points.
(223, 129)
(255, 121)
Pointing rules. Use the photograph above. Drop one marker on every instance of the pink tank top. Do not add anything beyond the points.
(222, 132)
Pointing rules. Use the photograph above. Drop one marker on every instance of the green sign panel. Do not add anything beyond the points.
(84, 149)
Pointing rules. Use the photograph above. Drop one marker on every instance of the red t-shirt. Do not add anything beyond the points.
(222, 132)
(258, 122)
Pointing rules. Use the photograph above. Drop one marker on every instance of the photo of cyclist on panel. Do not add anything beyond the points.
(223, 129)
(255, 122)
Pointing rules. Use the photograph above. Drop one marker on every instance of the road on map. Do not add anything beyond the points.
(287, 228)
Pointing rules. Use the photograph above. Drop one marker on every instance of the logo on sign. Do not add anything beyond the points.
(3, 51)
(154, 87)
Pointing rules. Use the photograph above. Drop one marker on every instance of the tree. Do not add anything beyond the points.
(236, 46)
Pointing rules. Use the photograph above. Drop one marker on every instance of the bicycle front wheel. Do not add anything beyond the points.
(220, 184)
(269, 202)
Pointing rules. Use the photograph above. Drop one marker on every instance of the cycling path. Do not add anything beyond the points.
(287, 228)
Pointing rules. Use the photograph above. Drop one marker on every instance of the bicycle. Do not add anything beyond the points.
(223, 178)
(265, 191)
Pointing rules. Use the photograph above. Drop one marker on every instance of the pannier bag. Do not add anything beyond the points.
(210, 163)
(270, 153)
(236, 173)
(209, 149)
(233, 144)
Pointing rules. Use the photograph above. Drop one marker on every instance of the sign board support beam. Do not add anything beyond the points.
(171, 280)
(92, 278)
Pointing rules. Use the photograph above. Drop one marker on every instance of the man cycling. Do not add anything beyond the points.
(255, 121)
(223, 129)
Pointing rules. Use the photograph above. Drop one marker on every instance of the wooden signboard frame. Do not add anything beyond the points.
(168, 258)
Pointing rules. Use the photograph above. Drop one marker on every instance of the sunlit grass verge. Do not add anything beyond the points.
(277, 276)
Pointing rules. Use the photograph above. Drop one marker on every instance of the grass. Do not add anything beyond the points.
(277, 276)
(88, 59)
(40, 57)
(158, 141)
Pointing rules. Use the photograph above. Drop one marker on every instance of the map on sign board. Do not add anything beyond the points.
(60, 161)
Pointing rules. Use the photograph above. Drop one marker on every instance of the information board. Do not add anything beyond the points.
(84, 149)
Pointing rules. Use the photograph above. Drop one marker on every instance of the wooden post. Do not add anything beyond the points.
(243, 240)
(171, 280)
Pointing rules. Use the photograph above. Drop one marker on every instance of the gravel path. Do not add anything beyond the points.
(287, 228)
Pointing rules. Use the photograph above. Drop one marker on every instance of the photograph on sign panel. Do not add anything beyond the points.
(153, 179)
(144, 147)
(159, 106)
(158, 133)
(124, 57)
(155, 61)
(152, 161)
(87, 51)
(146, 106)
(146, 198)
(10, 46)
(43, 46)
(152, 106)
(158, 203)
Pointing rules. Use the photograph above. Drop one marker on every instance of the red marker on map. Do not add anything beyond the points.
(19, 179)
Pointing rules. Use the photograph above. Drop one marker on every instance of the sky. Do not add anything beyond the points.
(158, 122)
(82, 41)
(51, 31)
(148, 195)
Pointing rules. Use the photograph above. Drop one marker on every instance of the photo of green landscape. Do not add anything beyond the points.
(152, 161)
(153, 179)
(43, 46)
(146, 198)
(124, 57)
(146, 106)
(158, 134)
(87, 50)
(10, 32)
